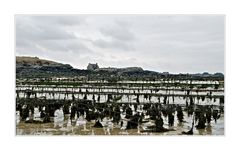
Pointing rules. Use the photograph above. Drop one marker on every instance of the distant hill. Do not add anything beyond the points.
(34, 61)
(34, 67)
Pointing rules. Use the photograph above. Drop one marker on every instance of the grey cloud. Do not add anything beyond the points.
(38, 34)
(117, 32)
(114, 45)
(116, 36)
(64, 45)
(60, 20)
(38, 29)
(174, 43)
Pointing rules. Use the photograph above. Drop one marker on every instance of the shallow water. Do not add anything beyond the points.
(23, 128)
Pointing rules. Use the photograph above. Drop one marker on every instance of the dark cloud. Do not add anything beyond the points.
(174, 43)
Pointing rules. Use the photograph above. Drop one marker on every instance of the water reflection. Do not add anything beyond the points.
(92, 122)
(209, 129)
(64, 126)
(58, 118)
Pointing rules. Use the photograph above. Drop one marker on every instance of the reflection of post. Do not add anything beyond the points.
(173, 96)
(17, 95)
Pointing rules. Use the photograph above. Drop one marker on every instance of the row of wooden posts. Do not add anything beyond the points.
(117, 88)
(119, 93)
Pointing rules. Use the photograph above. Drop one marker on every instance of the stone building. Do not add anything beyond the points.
(92, 66)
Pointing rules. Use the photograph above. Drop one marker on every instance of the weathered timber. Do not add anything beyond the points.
(123, 88)
(98, 83)
(123, 93)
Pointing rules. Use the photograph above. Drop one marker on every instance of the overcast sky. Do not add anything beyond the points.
(172, 43)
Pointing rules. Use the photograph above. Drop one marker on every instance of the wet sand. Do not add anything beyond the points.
(48, 128)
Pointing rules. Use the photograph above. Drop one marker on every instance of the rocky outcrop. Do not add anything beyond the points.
(33, 67)
(128, 69)
(34, 61)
